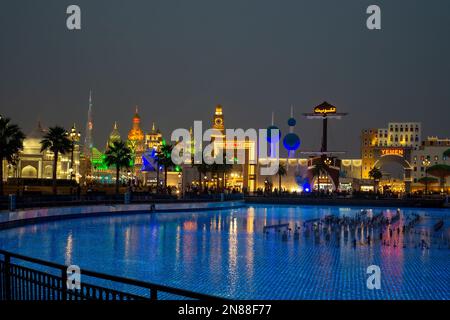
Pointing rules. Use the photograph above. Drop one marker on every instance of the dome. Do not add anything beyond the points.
(219, 110)
(33, 139)
(291, 142)
(292, 122)
(114, 135)
(136, 133)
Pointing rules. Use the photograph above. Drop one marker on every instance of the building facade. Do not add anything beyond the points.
(153, 139)
(369, 141)
(34, 164)
(432, 149)
(394, 144)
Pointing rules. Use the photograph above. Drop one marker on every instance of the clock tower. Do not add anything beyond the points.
(218, 119)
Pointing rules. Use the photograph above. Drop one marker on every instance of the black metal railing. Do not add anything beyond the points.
(20, 282)
(41, 201)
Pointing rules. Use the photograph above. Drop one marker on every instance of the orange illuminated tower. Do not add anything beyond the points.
(136, 142)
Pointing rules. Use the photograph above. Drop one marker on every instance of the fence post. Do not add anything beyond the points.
(7, 282)
(127, 197)
(64, 283)
(153, 294)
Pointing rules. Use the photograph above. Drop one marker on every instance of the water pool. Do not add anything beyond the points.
(226, 253)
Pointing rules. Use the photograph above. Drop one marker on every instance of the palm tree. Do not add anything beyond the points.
(319, 168)
(202, 169)
(57, 141)
(119, 156)
(281, 173)
(164, 157)
(11, 142)
(225, 169)
(220, 170)
(426, 181)
(376, 175)
(442, 171)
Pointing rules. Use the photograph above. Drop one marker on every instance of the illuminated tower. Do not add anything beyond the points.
(218, 119)
(153, 139)
(88, 139)
(136, 142)
(218, 124)
(135, 135)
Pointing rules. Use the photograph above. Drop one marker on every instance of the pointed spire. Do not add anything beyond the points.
(153, 127)
(273, 118)
(90, 99)
(136, 117)
(88, 139)
(292, 110)
(115, 125)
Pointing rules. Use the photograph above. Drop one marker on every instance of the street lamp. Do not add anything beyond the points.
(426, 163)
(327, 161)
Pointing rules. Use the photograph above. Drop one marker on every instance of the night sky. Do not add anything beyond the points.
(178, 59)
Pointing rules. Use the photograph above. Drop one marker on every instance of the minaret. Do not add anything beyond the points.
(88, 139)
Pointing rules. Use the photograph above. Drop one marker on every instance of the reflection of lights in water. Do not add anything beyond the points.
(127, 241)
(177, 243)
(250, 220)
(215, 252)
(249, 257)
(69, 250)
(239, 260)
(232, 253)
(189, 226)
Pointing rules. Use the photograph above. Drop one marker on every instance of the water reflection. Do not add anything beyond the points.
(69, 249)
(230, 253)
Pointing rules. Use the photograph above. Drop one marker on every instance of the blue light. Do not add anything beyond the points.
(306, 187)
(149, 160)
(292, 122)
(291, 142)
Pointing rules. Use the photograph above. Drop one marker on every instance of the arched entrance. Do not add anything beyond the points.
(29, 172)
(48, 171)
(402, 158)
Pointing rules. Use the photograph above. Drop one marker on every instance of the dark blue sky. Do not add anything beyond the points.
(178, 59)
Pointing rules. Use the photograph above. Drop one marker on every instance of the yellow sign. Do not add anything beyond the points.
(392, 152)
(324, 110)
